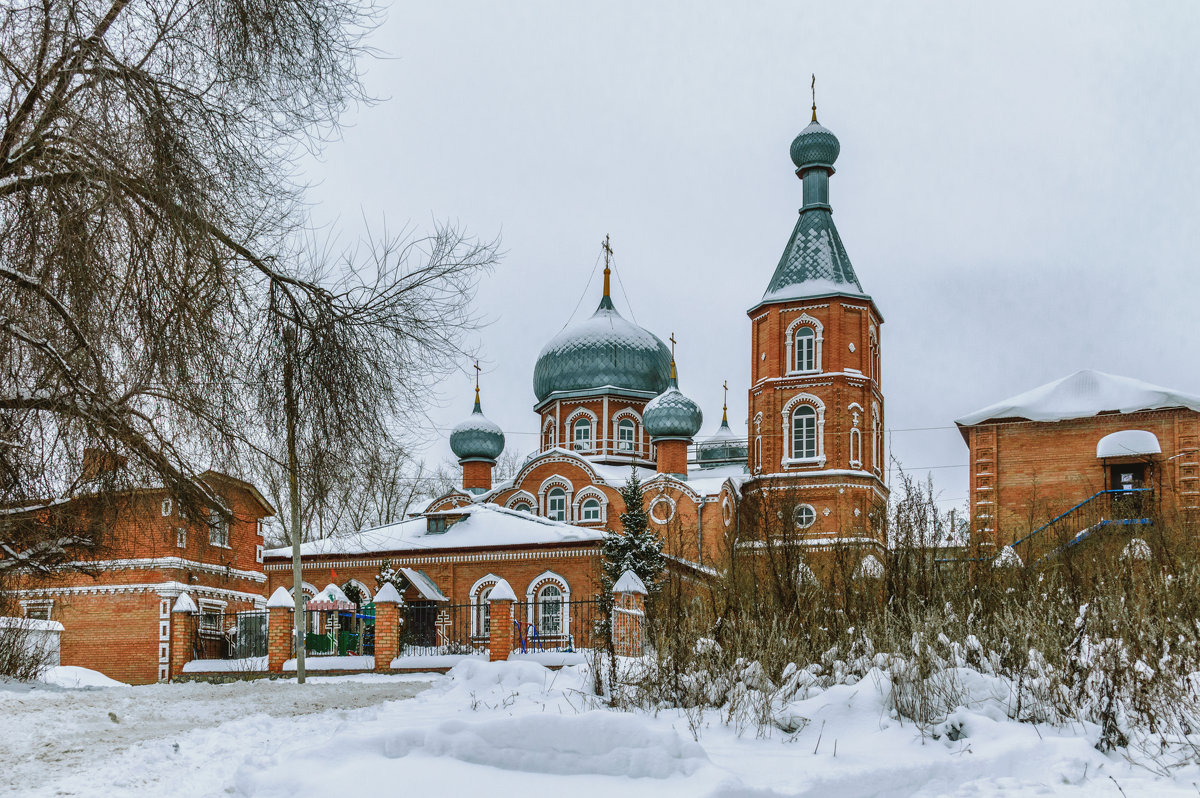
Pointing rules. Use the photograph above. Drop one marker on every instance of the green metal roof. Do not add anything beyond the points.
(477, 438)
(672, 415)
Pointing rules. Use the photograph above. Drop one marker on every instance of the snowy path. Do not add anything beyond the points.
(179, 739)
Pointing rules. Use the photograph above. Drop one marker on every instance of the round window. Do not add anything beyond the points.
(804, 516)
(662, 510)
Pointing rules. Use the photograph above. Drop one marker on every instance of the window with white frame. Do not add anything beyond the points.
(550, 611)
(804, 516)
(548, 435)
(523, 507)
(590, 510)
(483, 615)
(258, 553)
(625, 435)
(556, 504)
(181, 537)
(38, 610)
(876, 443)
(806, 348)
(581, 434)
(804, 433)
(212, 617)
(218, 529)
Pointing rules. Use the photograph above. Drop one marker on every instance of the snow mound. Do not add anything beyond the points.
(600, 743)
(73, 676)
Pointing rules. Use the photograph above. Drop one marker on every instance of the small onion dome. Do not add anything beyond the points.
(815, 146)
(672, 415)
(477, 438)
(722, 447)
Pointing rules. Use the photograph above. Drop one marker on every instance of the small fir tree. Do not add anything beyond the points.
(636, 547)
(389, 574)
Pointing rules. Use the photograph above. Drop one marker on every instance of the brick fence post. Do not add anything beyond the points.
(387, 626)
(500, 621)
(280, 633)
(629, 615)
(183, 629)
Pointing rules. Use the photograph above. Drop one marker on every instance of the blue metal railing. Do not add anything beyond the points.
(1076, 508)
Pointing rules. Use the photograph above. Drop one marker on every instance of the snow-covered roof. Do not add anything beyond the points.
(629, 583)
(1083, 394)
(484, 526)
(423, 584)
(1127, 442)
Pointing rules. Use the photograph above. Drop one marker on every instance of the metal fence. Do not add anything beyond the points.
(230, 635)
(555, 625)
(343, 633)
(432, 629)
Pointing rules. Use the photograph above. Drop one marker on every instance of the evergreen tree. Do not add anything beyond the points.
(388, 574)
(636, 547)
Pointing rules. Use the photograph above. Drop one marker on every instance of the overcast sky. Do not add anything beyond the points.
(1017, 187)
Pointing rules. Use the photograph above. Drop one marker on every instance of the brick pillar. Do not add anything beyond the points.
(477, 474)
(629, 615)
(500, 621)
(387, 626)
(279, 638)
(183, 632)
(671, 455)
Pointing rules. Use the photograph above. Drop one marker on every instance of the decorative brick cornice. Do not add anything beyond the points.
(373, 559)
(148, 563)
(164, 589)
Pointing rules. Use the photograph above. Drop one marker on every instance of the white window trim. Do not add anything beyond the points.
(222, 523)
(522, 496)
(572, 419)
(804, 320)
(788, 443)
(876, 439)
(181, 537)
(551, 482)
(37, 605)
(477, 606)
(531, 599)
(216, 606)
(591, 493)
(810, 524)
(549, 434)
(638, 442)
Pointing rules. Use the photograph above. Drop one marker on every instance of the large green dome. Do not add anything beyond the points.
(605, 350)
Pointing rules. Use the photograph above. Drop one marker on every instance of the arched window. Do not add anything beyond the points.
(804, 433)
(625, 435)
(590, 510)
(876, 442)
(550, 611)
(523, 507)
(855, 448)
(483, 615)
(582, 434)
(548, 435)
(806, 349)
(556, 504)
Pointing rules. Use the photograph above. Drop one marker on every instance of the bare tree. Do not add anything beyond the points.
(152, 253)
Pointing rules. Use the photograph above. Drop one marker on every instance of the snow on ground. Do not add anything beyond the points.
(518, 728)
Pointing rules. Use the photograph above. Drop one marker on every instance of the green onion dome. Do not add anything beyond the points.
(723, 447)
(603, 351)
(672, 415)
(477, 438)
(815, 146)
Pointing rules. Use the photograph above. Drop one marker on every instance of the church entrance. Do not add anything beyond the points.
(1130, 480)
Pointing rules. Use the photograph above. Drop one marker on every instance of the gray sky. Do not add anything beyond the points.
(1017, 187)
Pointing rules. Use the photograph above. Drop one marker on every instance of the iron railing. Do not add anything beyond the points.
(1097, 512)
(230, 635)
(555, 625)
(433, 628)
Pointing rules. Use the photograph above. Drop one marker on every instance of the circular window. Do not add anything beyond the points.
(662, 510)
(804, 516)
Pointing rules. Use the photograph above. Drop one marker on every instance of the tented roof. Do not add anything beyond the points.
(1081, 395)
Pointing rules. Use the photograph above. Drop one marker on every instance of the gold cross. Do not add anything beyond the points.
(672, 340)
(477, 370)
(608, 251)
(814, 96)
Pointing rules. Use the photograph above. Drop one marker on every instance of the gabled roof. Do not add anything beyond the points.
(1081, 395)
(483, 526)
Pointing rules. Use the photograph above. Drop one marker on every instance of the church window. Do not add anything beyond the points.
(806, 349)
(583, 434)
(522, 507)
(625, 432)
(549, 435)
(876, 447)
(483, 616)
(804, 515)
(804, 433)
(556, 505)
(590, 510)
(855, 448)
(549, 611)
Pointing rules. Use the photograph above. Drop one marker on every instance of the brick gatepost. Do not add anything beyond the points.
(280, 631)
(500, 621)
(183, 629)
(387, 626)
(629, 615)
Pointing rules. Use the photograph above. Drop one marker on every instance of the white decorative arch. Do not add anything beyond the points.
(307, 589)
(548, 484)
(758, 420)
(638, 434)
(788, 409)
(857, 415)
(549, 433)
(804, 320)
(479, 609)
(590, 492)
(522, 496)
(535, 587)
(569, 427)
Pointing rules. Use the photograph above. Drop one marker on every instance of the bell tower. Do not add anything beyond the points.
(816, 405)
